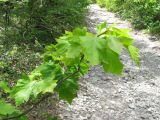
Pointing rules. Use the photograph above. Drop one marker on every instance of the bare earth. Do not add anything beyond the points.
(133, 96)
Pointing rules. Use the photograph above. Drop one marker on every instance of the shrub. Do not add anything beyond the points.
(144, 14)
(41, 19)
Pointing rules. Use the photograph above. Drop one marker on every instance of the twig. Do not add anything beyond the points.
(45, 97)
(78, 69)
(30, 109)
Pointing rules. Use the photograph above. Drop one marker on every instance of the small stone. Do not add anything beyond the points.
(153, 38)
(131, 106)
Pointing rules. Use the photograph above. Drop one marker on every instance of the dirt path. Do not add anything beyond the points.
(133, 96)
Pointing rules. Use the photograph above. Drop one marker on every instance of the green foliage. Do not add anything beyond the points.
(70, 48)
(27, 25)
(52, 118)
(144, 14)
(65, 62)
(4, 86)
(41, 20)
(68, 90)
(134, 53)
(41, 80)
(6, 108)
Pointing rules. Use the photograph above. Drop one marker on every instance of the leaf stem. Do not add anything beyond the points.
(102, 33)
(78, 70)
(45, 97)
(30, 109)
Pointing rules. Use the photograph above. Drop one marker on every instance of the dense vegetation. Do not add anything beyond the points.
(27, 77)
(26, 26)
(144, 14)
(34, 19)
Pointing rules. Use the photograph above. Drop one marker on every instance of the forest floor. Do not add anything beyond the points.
(133, 96)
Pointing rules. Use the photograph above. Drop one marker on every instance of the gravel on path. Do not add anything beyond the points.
(133, 96)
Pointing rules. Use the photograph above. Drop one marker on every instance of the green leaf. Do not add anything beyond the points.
(44, 87)
(62, 47)
(114, 44)
(46, 71)
(91, 46)
(126, 41)
(134, 53)
(111, 62)
(74, 50)
(68, 90)
(23, 118)
(4, 86)
(23, 91)
(41, 80)
(121, 35)
(3, 0)
(84, 68)
(6, 108)
(80, 31)
(101, 27)
(27, 89)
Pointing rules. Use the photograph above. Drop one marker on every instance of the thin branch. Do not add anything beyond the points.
(78, 70)
(30, 109)
(44, 97)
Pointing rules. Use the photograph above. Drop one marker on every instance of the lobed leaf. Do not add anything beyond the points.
(134, 53)
(4, 86)
(41, 80)
(68, 90)
(6, 108)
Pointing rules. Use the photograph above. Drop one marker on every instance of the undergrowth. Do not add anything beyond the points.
(27, 26)
(143, 14)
